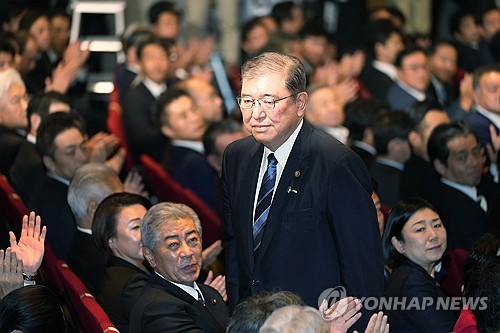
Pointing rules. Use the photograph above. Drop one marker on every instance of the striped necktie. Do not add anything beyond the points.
(264, 201)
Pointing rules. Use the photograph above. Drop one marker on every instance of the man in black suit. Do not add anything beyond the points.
(173, 301)
(486, 111)
(419, 177)
(183, 124)
(13, 121)
(467, 199)
(315, 226)
(139, 116)
(90, 185)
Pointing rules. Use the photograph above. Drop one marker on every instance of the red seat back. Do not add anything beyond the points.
(114, 123)
(168, 189)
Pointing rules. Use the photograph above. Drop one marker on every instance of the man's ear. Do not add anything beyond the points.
(167, 131)
(213, 160)
(398, 245)
(91, 207)
(35, 121)
(49, 163)
(414, 139)
(149, 257)
(301, 103)
(439, 167)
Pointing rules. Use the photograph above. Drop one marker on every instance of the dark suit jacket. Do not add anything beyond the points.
(120, 289)
(192, 170)
(464, 219)
(164, 307)
(367, 157)
(410, 280)
(481, 126)
(321, 237)
(123, 79)
(87, 261)
(27, 171)
(10, 143)
(139, 119)
(375, 81)
(418, 178)
(398, 98)
(49, 200)
(387, 178)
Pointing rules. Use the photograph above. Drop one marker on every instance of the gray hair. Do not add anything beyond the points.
(9, 77)
(93, 181)
(295, 319)
(160, 214)
(273, 62)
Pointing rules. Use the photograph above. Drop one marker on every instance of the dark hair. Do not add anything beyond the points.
(484, 284)
(395, 12)
(456, 19)
(30, 17)
(51, 127)
(312, 30)
(479, 72)
(400, 214)
(159, 8)
(406, 52)
(437, 44)
(31, 309)
(388, 126)
(482, 250)
(10, 10)
(106, 216)
(163, 43)
(164, 101)
(282, 11)
(417, 112)
(253, 311)
(359, 116)
(483, 10)
(21, 39)
(379, 31)
(437, 146)
(59, 12)
(6, 46)
(135, 38)
(40, 104)
(249, 26)
(227, 126)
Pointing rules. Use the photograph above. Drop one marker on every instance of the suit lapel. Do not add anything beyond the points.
(248, 197)
(296, 162)
(208, 312)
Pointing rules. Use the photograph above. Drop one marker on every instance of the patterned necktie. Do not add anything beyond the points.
(200, 299)
(264, 201)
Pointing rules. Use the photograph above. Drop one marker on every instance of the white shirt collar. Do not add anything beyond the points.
(154, 88)
(418, 95)
(470, 191)
(365, 146)
(493, 117)
(84, 230)
(193, 145)
(391, 163)
(59, 179)
(193, 291)
(388, 69)
(340, 133)
(31, 138)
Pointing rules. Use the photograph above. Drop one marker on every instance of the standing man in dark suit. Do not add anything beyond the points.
(173, 301)
(305, 222)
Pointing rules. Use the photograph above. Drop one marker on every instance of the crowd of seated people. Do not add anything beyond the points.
(421, 111)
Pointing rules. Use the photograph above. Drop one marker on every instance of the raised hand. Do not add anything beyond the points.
(11, 272)
(211, 253)
(377, 324)
(31, 246)
(341, 315)
(133, 184)
(219, 284)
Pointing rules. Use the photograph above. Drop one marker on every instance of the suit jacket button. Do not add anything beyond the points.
(255, 282)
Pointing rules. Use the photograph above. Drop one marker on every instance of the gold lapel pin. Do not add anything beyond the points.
(214, 301)
(297, 174)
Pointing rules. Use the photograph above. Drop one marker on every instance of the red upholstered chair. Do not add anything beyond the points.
(49, 268)
(168, 189)
(91, 315)
(11, 205)
(114, 123)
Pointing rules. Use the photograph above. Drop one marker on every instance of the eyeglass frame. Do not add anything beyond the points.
(238, 100)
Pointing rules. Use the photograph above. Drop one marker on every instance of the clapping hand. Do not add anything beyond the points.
(219, 284)
(341, 315)
(31, 245)
(11, 269)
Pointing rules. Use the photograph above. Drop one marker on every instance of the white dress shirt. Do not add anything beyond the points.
(192, 291)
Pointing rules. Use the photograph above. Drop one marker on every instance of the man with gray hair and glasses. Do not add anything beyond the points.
(298, 214)
(173, 301)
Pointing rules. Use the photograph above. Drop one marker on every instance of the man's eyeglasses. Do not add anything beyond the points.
(266, 103)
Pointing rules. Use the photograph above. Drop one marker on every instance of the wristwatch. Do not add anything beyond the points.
(27, 277)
